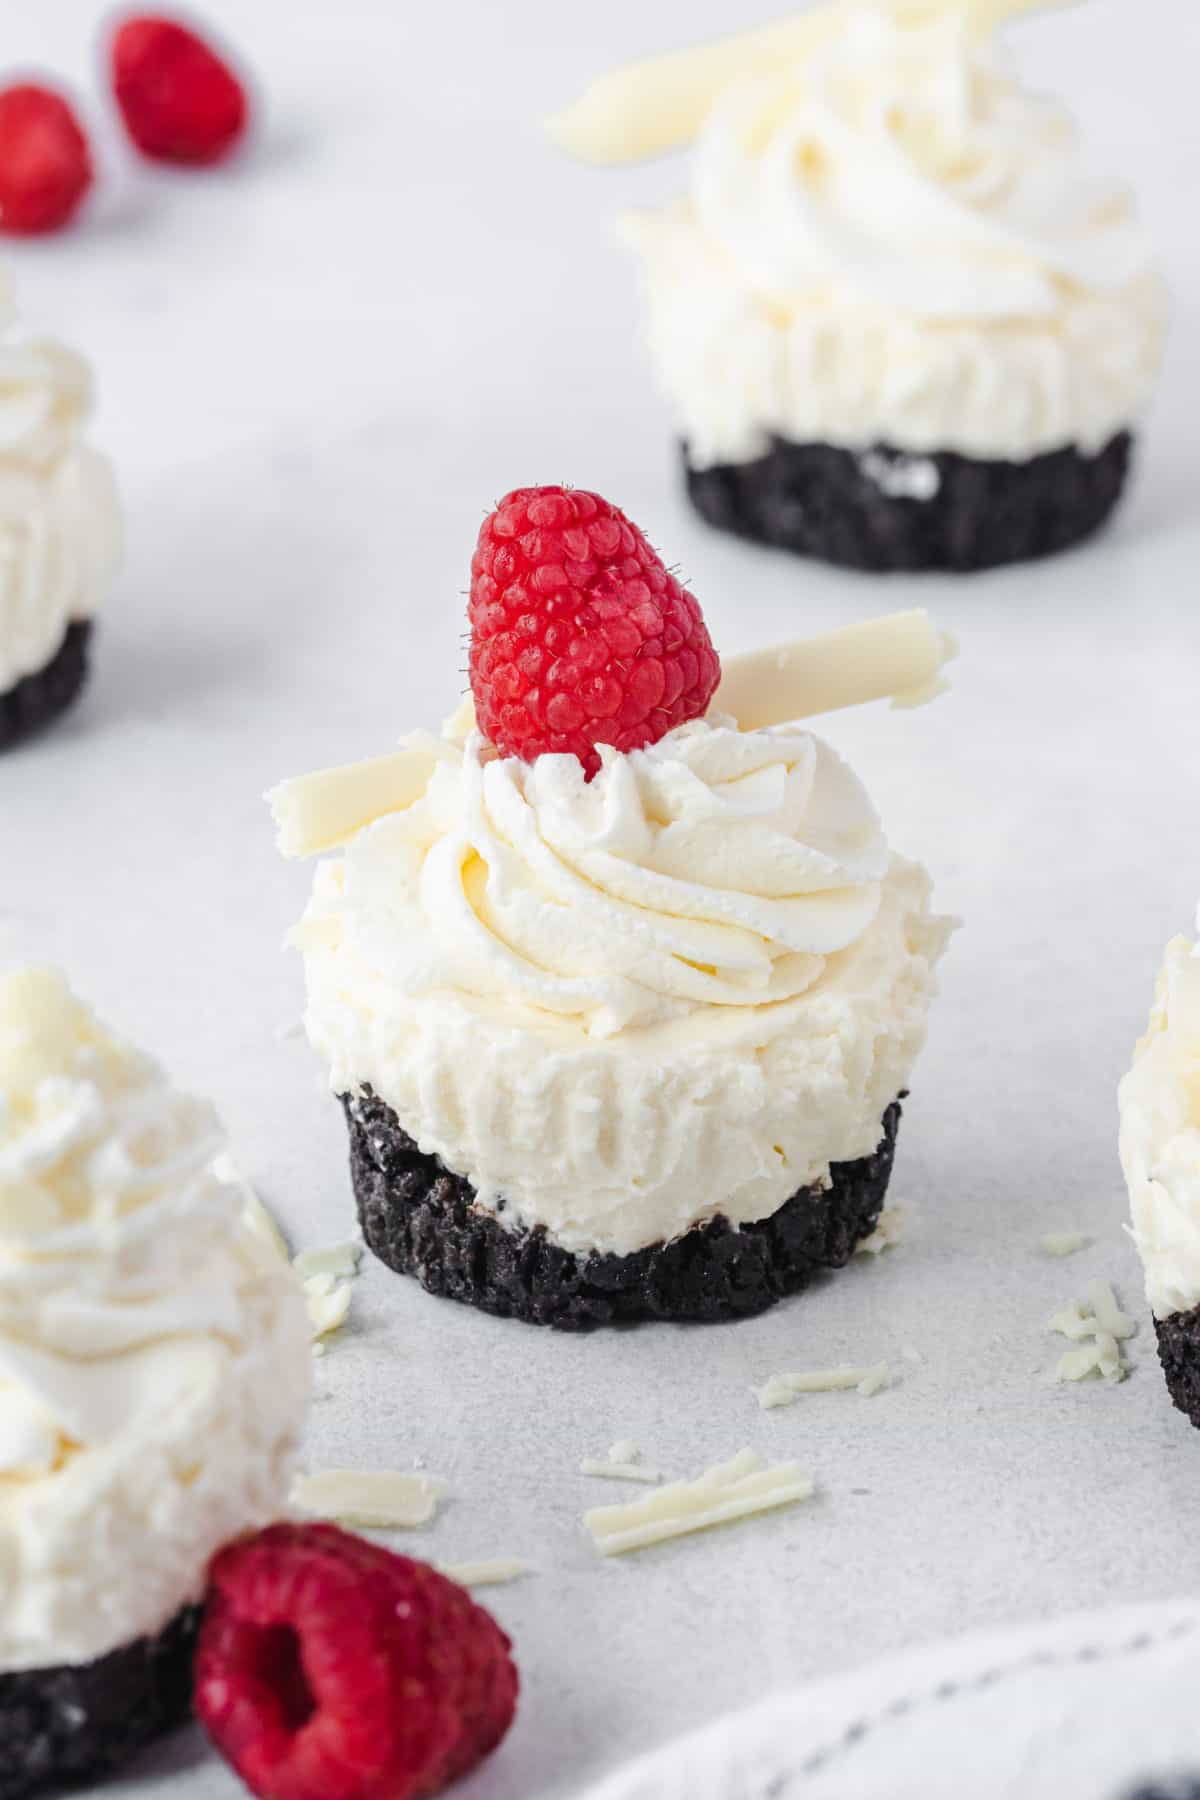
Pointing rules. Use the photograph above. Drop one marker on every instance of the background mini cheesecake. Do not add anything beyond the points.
(619, 983)
(1160, 1153)
(899, 323)
(154, 1377)
(60, 531)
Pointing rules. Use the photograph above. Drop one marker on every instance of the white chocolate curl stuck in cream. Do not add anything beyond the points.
(900, 657)
(653, 107)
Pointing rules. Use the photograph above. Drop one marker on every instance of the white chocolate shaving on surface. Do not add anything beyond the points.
(893, 1223)
(333, 1259)
(382, 1499)
(624, 1451)
(652, 107)
(732, 1490)
(782, 1389)
(257, 1216)
(1064, 1243)
(608, 1470)
(328, 1303)
(493, 1571)
(324, 1274)
(1099, 1328)
(1103, 1303)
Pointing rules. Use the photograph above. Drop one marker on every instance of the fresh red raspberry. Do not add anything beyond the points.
(579, 635)
(330, 1669)
(45, 162)
(180, 101)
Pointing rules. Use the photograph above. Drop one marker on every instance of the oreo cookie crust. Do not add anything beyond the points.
(72, 1725)
(1179, 1353)
(38, 698)
(423, 1221)
(886, 509)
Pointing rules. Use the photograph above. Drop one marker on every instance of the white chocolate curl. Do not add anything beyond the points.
(900, 657)
(656, 106)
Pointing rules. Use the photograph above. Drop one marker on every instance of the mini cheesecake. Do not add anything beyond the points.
(154, 1377)
(899, 323)
(627, 1040)
(1160, 1153)
(60, 532)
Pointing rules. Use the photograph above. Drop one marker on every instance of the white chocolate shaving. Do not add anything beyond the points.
(1074, 1321)
(1111, 1319)
(624, 1451)
(1064, 1243)
(255, 1214)
(782, 1389)
(328, 1303)
(656, 106)
(893, 1222)
(491, 1572)
(732, 1490)
(1099, 1327)
(316, 813)
(333, 1259)
(608, 1470)
(376, 1499)
(898, 658)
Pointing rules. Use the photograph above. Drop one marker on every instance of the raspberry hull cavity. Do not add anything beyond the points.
(331, 1669)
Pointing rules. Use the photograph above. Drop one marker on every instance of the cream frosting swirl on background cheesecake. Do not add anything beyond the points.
(622, 1007)
(1160, 1136)
(154, 1353)
(60, 526)
(888, 239)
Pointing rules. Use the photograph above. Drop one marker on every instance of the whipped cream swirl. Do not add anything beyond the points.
(154, 1363)
(892, 241)
(716, 868)
(1160, 1136)
(60, 529)
(622, 1006)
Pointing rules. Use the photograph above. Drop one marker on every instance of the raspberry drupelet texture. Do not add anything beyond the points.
(45, 162)
(330, 1669)
(180, 101)
(579, 634)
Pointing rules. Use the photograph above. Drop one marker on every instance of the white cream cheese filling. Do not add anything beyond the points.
(1160, 1136)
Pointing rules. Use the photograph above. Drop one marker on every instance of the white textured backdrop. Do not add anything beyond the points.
(317, 370)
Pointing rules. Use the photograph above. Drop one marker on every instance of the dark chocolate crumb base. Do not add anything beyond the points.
(1179, 1353)
(827, 502)
(423, 1221)
(40, 697)
(66, 1726)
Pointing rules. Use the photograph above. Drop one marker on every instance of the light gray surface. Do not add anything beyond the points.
(318, 370)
